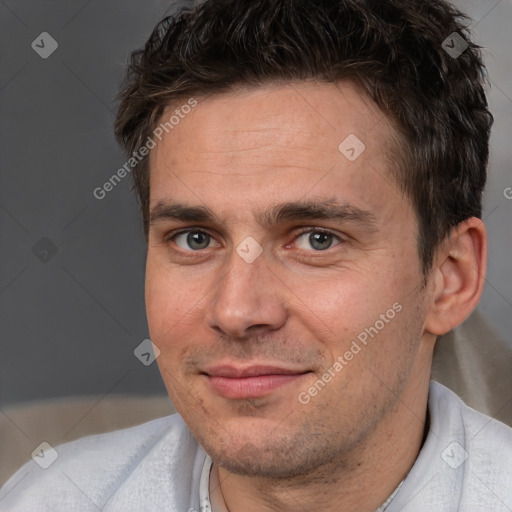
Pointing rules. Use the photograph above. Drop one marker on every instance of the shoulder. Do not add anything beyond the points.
(480, 448)
(481, 433)
(93, 472)
(465, 462)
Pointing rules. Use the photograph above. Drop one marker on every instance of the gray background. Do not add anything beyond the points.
(69, 325)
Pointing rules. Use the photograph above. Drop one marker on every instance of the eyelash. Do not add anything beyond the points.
(171, 236)
(324, 231)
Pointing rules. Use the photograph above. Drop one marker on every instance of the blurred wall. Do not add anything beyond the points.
(72, 265)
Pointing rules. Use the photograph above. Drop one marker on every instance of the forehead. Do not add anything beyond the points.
(276, 143)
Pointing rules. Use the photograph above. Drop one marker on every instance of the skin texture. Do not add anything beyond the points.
(295, 306)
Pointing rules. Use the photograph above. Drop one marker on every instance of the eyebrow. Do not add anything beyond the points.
(324, 209)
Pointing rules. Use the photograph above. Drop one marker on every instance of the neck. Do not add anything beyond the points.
(362, 480)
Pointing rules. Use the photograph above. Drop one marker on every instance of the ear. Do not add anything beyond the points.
(458, 276)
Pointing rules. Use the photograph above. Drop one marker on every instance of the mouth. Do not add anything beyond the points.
(250, 382)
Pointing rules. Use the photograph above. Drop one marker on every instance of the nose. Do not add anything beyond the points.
(248, 299)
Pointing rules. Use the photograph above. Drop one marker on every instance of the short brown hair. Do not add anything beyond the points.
(392, 48)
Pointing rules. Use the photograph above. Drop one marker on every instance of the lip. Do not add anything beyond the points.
(233, 372)
(250, 382)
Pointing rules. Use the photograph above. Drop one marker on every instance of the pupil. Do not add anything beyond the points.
(320, 241)
(197, 240)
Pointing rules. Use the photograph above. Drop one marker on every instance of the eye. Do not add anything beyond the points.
(318, 240)
(192, 240)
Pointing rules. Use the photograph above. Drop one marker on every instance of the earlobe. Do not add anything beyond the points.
(458, 276)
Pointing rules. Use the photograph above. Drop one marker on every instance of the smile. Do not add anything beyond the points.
(252, 382)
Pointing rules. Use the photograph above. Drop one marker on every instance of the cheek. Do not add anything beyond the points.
(158, 302)
(168, 301)
(341, 303)
(362, 306)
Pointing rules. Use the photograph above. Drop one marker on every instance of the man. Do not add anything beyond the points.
(310, 176)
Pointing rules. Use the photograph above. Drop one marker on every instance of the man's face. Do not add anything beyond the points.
(245, 337)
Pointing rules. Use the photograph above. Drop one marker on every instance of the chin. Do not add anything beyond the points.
(268, 452)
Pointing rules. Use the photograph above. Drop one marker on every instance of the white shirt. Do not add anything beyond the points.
(465, 465)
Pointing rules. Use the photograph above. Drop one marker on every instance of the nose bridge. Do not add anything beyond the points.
(238, 282)
(245, 296)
